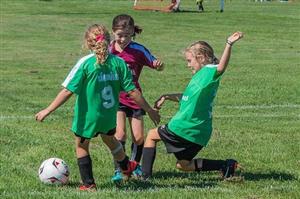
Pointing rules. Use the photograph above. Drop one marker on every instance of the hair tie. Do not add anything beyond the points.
(100, 37)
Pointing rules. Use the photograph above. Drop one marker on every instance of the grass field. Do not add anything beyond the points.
(256, 113)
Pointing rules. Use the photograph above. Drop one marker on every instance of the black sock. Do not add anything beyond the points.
(212, 165)
(115, 162)
(136, 152)
(86, 170)
(148, 160)
(123, 164)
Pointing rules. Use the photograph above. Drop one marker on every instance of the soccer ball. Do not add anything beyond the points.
(54, 171)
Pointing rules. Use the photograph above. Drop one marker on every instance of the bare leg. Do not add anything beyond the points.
(121, 126)
(185, 165)
(137, 135)
(152, 138)
(114, 145)
(84, 161)
(82, 149)
(137, 130)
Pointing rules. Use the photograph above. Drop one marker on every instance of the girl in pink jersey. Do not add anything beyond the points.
(136, 56)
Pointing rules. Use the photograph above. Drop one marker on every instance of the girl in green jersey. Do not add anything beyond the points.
(191, 127)
(97, 80)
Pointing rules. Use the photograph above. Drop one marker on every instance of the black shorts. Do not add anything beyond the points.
(181, 148)
(131, 112)
(110, 133)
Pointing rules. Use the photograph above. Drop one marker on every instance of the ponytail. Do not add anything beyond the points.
(123, 22)
(97, 39)
(215, 60)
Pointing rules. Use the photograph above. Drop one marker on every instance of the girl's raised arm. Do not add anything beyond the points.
(227, 51)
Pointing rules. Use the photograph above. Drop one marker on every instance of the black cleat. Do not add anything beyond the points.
(229, 168)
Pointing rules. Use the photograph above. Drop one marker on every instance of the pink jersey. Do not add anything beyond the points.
(136, 56)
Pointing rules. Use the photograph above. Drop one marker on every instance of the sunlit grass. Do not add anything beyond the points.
(256, 113)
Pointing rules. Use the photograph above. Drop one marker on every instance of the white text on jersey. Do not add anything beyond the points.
(108, 77)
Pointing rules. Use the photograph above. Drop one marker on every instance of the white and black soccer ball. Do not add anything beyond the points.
(54, 171)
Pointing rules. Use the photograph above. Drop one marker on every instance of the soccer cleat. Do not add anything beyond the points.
(145, 178)
(132, 165)
(118, 177)
(137, 173)
(176, 10)
(229, 168)
(91, 187)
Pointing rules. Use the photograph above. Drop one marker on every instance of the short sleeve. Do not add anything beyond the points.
(212, 71)
(75, 78)
(217, 76)
(148, 58)
(145, 56)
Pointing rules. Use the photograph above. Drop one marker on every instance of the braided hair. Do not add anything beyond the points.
(97, 39)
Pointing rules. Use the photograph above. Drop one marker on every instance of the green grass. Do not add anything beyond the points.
(257, 110)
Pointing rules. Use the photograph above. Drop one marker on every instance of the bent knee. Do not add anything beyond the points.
(138, 140)
(183, 165)
(153, 134)
(120, 134)
(180, 166)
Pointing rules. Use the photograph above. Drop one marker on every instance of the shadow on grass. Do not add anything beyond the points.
(73, 184)
(272, 175)
(71, 13)
(192, 11)
(181, 180)
(137, 185)
(166, 179)
(181, 175)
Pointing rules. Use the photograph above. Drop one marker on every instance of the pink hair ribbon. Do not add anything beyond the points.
(100, 37)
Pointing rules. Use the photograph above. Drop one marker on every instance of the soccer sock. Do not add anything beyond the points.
(86, 170)
(123, 144)
(136, 152)
(148, 160)
(123, 164)
(208, 165)
(115, 162)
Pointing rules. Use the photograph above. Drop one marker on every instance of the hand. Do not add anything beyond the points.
(154, 116)
(40, 116)
(234, 37)
(158, 65)
(158, 103)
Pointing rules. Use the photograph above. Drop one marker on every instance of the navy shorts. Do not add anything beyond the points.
(131, 112)
(181, 148)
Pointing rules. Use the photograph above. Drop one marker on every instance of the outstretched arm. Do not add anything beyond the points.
(158, 65)
(172, 97)
(60, 99)
(227, 51)
(140, 100)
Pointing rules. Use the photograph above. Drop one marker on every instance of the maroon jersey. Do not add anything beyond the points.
(136, 56)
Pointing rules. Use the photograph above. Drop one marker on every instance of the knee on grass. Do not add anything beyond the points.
(184, 165)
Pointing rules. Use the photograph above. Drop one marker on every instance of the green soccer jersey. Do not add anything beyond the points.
(193, 121)
(97, 88)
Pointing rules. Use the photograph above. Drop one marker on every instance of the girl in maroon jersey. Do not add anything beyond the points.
(136, 56)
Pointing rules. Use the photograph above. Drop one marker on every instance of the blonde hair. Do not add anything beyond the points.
(97, 39)
(204, 49)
